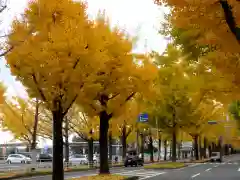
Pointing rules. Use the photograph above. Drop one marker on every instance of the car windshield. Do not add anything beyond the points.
(214, 154)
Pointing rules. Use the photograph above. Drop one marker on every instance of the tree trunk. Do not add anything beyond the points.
(151, 148)
(110, 147)
(103, 141)
(137, 141)
(165, 150)
(195, 138)
(205, 147)
(34, 135)
(66, 144)
(210, 150)
(170, 150)
(124, 142)
(58, 173)
(90, 152)
(179, 150)
(174, 146)
(200, 146)
(159, 148)
(142, 146)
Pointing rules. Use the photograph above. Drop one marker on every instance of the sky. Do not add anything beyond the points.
(139, 17)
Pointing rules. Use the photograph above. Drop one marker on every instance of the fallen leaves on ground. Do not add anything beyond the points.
(170, 165)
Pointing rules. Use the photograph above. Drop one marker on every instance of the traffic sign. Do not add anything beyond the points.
(143, 117)
(212, 122)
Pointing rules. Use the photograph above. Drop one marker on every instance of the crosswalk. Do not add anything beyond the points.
(141, 173)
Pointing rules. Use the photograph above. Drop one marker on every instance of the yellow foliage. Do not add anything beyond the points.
(2, 91)
(214, 26)
(209, 18)
(55, 44)
(84, 126)
(119, 78)
(128, 118)
(18, 118)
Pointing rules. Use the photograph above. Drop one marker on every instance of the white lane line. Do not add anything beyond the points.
(208, 169)
(193, 165)
(195, 175)
(216, 166)
(238, 169)
(152, 175)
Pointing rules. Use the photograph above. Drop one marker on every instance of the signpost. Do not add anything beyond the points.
(143, 117)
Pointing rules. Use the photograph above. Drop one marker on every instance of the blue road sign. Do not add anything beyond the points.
(143, 117)
(212, 122)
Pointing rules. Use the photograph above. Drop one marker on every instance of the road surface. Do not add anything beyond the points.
(228, 170)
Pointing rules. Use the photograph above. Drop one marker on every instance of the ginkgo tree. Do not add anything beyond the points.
(21, 118)
(69, 58)
(56, 59)
(122, 76)
(208, 31)
(201, 113)
(125, 124)
(174, 87)
(87, 128)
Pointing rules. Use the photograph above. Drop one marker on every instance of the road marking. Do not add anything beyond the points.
(152, 175)
(216, 166)
(75, 177)
(194, 165)
(238, 169)
(195, 175)
(208, 169)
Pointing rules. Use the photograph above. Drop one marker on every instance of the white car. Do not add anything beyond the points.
(78, 159)
(18, 158)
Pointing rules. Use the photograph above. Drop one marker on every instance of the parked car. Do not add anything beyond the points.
(44, 158)
(78, 159)
(96, 158)
(18, 158)
(133, 159)
(27, 154)
(215, 156)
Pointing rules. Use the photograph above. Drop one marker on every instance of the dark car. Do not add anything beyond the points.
(132, 159)
(44, 158)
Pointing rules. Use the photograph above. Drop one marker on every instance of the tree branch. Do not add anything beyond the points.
(70, 105)
(230, 19)
(38, 88)
(3, 7)
(5, 52)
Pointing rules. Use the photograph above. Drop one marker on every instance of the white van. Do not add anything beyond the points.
(215, 156)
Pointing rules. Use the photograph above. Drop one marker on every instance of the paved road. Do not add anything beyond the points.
(19, 167)
(228, 170)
